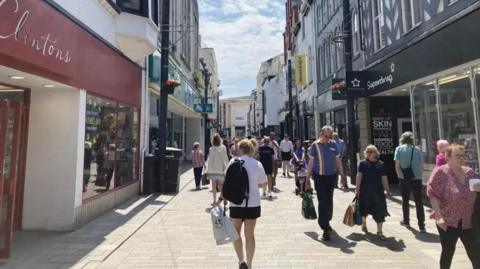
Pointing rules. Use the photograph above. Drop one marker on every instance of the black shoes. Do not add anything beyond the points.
(404, 223)
(243, 265)
(326, 235)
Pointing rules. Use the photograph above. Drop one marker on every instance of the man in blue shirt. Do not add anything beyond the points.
(408, 156)
(323, 165)
(341, 148)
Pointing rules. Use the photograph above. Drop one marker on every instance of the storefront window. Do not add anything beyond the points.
(426, 120)
(457, 113)
(110, 159)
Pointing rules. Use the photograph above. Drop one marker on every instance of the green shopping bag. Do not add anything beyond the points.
(308, 209)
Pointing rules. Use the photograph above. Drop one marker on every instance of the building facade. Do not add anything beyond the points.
(419, 81)
(72, 85)
(234, 116)
(184, 65)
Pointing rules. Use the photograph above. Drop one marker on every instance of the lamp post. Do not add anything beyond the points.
(206, 78)
(347, 43)
(162, 118)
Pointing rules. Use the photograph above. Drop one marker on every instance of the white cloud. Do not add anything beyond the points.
(243, 33)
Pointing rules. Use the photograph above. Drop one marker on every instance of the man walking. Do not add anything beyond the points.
(266, 157)
(341, 150)
(286, 148)
(409, 167)
(323, 165)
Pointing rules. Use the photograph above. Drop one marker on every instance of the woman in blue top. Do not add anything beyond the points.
(372, 185)
(300, 164)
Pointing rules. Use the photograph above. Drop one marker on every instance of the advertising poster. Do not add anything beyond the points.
(382, 132)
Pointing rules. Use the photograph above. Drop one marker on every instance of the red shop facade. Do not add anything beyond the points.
(69, 106)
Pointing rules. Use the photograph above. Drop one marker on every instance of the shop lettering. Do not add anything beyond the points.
(45, 44)
(382, 124)
(387, 79)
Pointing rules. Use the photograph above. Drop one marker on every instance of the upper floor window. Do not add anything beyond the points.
(355, 32)
(138, 7)
(452, 1)
(378, 24)
(411, 14)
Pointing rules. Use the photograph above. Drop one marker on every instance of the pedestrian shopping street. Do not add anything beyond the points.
(176, 232)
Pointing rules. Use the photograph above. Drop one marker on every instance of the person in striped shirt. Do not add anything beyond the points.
(324, 164)
(198, 162)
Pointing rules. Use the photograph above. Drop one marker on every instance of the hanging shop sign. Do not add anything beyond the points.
(203, 108)
(300, 69)
(382, 132)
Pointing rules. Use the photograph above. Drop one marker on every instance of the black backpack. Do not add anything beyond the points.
(236, 186)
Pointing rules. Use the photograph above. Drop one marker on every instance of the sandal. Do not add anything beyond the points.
(381, 236)
(364, 229)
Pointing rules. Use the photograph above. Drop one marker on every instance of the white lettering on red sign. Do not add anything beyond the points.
(45, 44)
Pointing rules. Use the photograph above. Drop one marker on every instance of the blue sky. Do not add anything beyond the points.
(244, 33)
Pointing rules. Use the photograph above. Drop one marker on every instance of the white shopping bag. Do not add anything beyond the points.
(223, 230)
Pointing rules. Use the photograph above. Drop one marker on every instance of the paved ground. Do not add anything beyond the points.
(175, 232)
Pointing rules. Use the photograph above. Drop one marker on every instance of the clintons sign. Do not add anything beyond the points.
(45, 43)
(38, 39)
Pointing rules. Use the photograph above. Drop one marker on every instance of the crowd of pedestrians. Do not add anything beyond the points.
(455, 201)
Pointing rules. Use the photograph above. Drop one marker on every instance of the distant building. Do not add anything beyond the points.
(234, 116)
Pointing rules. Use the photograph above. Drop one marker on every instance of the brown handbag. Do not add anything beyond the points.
(349, 217)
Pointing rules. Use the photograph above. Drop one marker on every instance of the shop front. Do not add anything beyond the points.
(69, 108)
(182, 121)
(431, 88)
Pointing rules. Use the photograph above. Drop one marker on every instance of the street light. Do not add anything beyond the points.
(206, 77)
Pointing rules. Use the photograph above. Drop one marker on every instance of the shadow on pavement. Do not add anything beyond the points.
(425, 237)
(390, 243)
(336, 241)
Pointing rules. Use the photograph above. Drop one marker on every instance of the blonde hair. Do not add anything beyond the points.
(451, 148)
(254, 142)
(216, 140)
(372, 148)
(196, 145)
(246, 147)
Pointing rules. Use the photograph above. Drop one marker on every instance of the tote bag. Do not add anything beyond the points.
(223, 230)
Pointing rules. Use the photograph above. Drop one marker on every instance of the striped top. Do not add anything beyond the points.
(324, 162)
(197, 158)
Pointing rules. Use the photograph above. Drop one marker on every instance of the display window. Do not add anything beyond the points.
(426, 120)
(457, 113)
(111, 142)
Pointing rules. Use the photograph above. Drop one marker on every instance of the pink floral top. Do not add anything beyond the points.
(457, 202)
(440, 159)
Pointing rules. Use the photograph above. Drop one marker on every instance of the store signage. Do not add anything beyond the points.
(382, 132)
(203, 108)
(300, 69)
(356, 80)
(44, 43)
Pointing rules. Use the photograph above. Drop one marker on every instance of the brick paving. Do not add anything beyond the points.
(175, 232)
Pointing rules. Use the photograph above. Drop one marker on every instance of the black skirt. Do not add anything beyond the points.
(286, 156)
(245, 212)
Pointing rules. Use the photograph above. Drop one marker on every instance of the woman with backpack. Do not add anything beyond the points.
(216, 163)
(246, 213)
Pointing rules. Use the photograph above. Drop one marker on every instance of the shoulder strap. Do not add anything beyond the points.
(411, 157)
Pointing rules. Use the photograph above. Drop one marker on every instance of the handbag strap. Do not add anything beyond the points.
(411, 156)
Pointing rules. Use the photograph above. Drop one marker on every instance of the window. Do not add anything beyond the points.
(138, 7)
(303, 27)
(378, 24)
(355, 32)
(339, 47)
(327, 59)
(110, 151)
(333, 53)
(452, 1)
(457, 113)
(310, 64)
(426, 120)
(411, 14)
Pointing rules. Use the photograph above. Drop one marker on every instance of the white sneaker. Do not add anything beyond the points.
(270, 196)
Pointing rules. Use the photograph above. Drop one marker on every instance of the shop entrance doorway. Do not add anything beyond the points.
(13, 119)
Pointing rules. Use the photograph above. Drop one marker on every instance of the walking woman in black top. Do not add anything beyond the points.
(372, 185)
